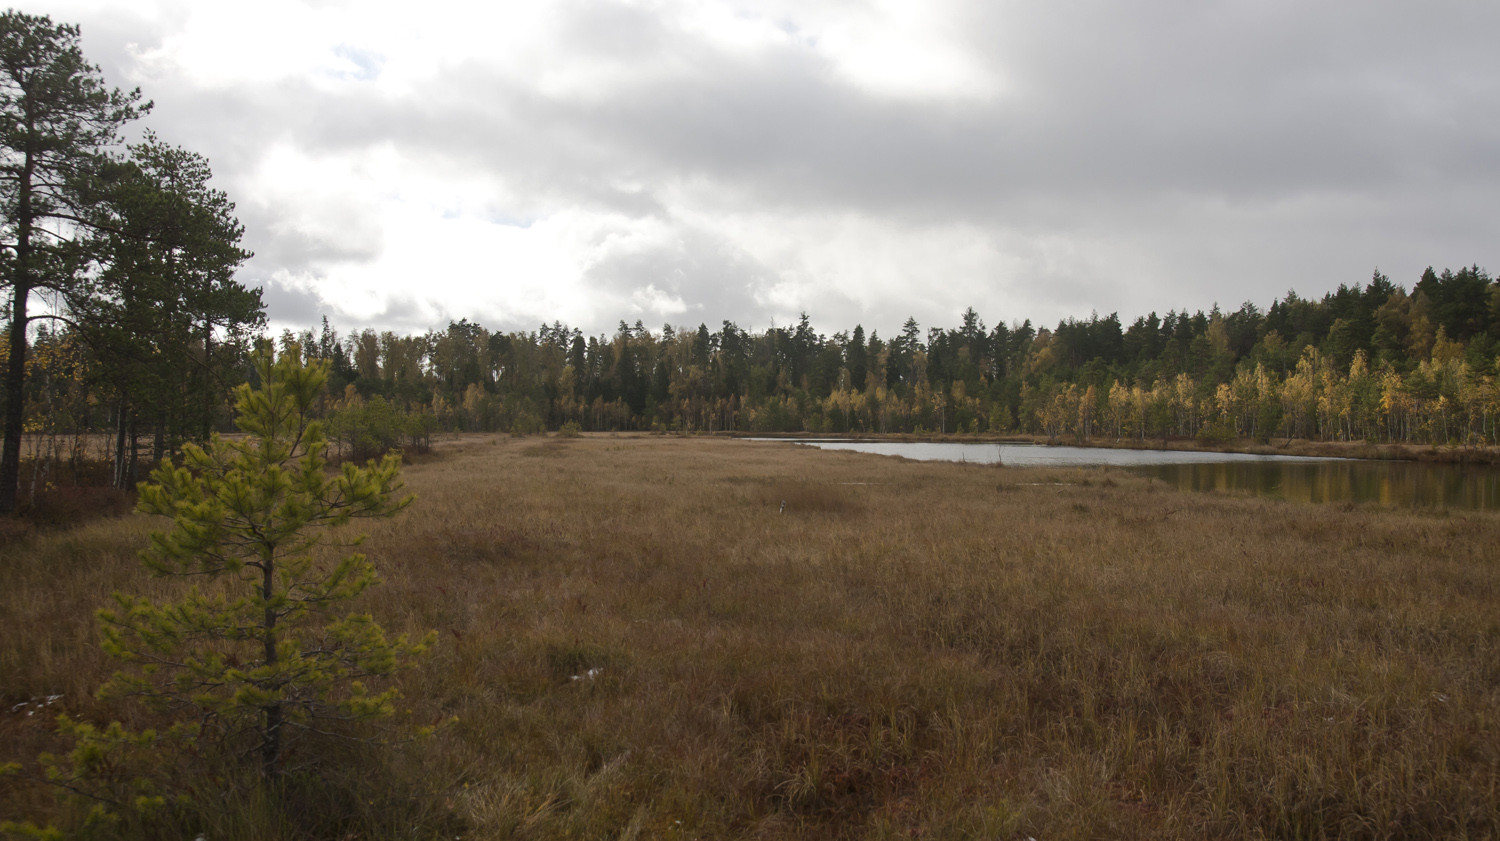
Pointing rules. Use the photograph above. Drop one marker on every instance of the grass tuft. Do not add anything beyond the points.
(910, 650)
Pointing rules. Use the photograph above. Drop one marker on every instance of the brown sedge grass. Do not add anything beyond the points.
(638, 641)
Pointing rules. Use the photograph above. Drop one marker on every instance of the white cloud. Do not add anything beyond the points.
(862, 160)
(656, 302)
(903, 49)
(883, 47)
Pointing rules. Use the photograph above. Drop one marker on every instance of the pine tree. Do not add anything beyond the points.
(56, 119)
(254, 652)
(166, 320)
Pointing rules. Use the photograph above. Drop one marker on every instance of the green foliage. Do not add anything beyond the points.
(1364, 363)
(56, 118)
(1156, 377)
(526, 423)
(1216, 434)
(166, 321)
(364, 429)
(27, 829)
(571, 429)
(118, 781)
(255, 651)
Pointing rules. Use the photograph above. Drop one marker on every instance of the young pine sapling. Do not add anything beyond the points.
(259, 652)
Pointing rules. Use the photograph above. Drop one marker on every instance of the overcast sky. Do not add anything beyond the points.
(398, 165)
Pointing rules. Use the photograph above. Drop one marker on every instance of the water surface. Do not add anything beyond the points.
(1298, 478)
(1396, 483)
(1033, 455)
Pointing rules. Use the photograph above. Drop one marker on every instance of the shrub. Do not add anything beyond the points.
(1216, 434)
(253, 657)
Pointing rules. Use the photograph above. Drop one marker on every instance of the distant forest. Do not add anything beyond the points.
(142, 333)
(1374, 363)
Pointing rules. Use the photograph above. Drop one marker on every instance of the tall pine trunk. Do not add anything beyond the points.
(15, 375)
(15, 402)
(120, 476)
(203, 376)
(133, 460)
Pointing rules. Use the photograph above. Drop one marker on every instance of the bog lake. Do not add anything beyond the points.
(1296, 478)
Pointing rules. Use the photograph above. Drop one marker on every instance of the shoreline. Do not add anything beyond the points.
(1362, 450)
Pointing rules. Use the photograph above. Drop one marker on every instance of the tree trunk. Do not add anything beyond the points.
(15, 402)
(208, 390)
(15, 376)
(270, 745)
(131, 465)
(118, 481)
(270, 737)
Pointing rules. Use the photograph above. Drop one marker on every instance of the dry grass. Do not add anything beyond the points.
(638, 645)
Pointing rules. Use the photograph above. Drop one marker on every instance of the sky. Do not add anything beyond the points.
(398, 166)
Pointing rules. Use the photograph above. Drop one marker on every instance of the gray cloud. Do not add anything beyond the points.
(1134, 157)
(714, 281)
(289, 306)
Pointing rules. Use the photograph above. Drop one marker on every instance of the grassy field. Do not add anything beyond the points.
(639, 642)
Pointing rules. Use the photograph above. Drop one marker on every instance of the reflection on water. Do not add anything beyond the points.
(1031, 455)
(1398, 483)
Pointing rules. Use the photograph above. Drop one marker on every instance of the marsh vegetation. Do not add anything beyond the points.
(640, 640)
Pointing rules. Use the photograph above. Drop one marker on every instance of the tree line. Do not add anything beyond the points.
(1374, 362)
(118, 261)
(125, 318)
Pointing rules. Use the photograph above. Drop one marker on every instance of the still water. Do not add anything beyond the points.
(1396, 483)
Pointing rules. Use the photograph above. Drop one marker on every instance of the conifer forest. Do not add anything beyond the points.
(1377, 362)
